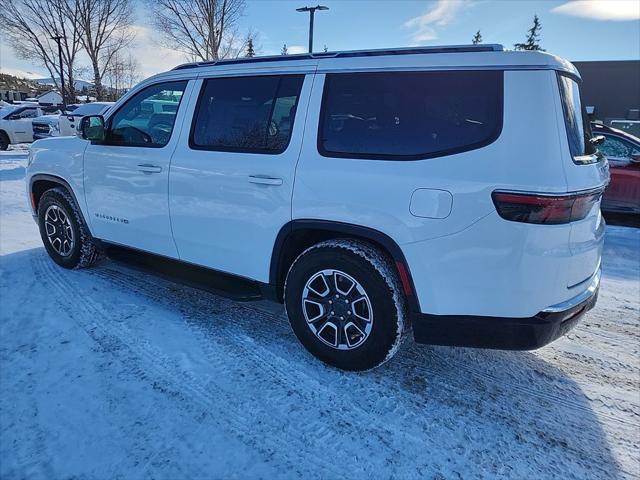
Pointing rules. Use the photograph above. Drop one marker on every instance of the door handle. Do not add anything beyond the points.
(265, 180)
(147, 168)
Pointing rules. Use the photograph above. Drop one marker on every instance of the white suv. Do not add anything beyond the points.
(453, 192)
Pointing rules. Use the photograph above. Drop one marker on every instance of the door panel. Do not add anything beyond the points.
(21, 124)
(230, 190)
(126, 178)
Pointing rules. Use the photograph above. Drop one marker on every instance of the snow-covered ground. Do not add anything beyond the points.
(109, 373)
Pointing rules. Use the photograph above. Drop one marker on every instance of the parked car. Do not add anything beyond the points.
(375, 193)
(623, 152)
(69, 123)
(46, 126)
(15, 124)
(632, 127)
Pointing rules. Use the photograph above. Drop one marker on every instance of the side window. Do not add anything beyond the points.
(409, 115)
(26, 113)
(142, 122)
(613, 147)
(246, 114)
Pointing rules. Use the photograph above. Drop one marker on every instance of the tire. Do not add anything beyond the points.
(4, 141)
(63, 231)
(371, 329)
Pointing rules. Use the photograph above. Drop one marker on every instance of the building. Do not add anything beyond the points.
(612, 88)
(49, 98)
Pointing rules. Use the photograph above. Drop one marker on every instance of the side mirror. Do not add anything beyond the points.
(92, 128)
(597, 140)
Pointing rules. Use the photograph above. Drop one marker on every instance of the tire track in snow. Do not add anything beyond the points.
(170, 376)
(150, 288)
(153, 288)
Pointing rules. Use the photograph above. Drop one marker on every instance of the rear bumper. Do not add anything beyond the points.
(506, 333)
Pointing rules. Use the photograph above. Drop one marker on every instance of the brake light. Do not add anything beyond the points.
(544, 209)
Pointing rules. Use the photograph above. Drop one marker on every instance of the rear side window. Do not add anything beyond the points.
(409, 115)
(246, 114)
(576, 121)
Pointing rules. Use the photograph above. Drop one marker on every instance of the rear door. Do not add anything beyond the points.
(126, 177)
(232, 175)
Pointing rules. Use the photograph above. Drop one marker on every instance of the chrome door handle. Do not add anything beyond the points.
(265, 180)
(147, 168)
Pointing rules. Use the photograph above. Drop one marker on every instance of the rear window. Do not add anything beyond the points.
(409, 115)
(246, 114)
(576, 121)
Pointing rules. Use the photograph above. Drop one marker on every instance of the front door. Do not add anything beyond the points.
(21, 124)
(126, 176)
(232, 175)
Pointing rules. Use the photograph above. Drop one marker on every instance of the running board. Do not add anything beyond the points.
(213, 281)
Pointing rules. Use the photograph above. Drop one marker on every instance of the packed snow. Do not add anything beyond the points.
(110, 373)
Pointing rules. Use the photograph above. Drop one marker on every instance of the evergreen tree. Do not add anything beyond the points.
(250, 50)
(284, 50)
(477, 38)
(533, 37)
(325, 49)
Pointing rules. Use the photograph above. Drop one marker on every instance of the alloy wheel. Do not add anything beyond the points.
(337, 309)
(59, 231)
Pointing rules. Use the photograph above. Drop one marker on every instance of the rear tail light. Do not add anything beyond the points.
(545, 209)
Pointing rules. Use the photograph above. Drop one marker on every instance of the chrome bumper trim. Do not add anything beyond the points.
(572, 302)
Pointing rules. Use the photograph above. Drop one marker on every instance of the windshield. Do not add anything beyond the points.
(4, 111)
(576, 121)
(90, 109)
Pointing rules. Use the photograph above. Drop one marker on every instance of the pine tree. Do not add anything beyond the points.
(284, 50)
(325, 49)
(533, 37)
(250, 50)
(477, 38)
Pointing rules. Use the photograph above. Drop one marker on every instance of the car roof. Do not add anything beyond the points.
(451, 57)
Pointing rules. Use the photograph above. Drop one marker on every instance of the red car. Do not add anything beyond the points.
(623, 152)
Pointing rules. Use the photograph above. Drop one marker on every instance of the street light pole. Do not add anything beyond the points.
(57, 39)
(312, 11)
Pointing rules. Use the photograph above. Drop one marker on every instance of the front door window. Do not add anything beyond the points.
(147, 119)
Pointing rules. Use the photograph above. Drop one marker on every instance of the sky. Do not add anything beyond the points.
(577, 30)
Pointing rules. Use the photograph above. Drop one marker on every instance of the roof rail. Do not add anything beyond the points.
(350, 54)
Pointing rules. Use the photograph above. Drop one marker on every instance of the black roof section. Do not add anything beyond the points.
(349, 54)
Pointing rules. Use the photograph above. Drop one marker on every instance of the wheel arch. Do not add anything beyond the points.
(40, 183)
(298, 235)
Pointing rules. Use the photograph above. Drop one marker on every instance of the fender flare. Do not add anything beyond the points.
(346, 230)
(63, 183)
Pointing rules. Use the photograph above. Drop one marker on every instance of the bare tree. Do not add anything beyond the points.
(122, 73)
(202, 29)
(105, 26)
(29, 26)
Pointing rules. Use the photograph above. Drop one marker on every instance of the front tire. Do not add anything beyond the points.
(4, 141)
(63, 231)
(345, 304)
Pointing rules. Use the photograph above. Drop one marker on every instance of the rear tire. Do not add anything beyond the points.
(345, 304)
(63, 231)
